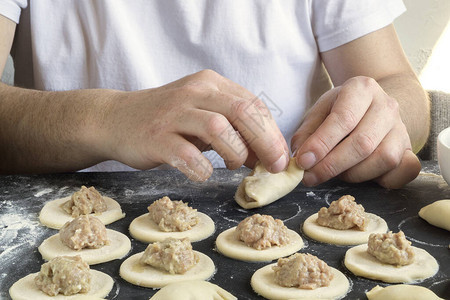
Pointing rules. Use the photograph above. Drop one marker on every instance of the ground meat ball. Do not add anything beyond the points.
(262, 231)
(84, 232)
(67, 275)
(172, 215)
(304, 271)
(391, 248)
(343, 214)
(173, 255)
(84, 202)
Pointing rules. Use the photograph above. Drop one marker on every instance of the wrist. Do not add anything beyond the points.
(100, 134)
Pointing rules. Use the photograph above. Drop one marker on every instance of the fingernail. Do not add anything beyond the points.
(279, 165)
(307, 160)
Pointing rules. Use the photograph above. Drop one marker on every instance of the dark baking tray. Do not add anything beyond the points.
(21, 198)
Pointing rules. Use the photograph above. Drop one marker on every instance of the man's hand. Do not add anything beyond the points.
(355, 131)
(173, 124)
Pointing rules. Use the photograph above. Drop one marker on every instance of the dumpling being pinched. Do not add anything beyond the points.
(262, 187)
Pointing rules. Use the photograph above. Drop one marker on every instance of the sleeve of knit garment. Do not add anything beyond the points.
(12, 8)
(337, 22)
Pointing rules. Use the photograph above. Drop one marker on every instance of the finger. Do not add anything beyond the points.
(261, 133)
(363, 140)
(215, 130)
(343, 119)
(252, 159)
(256, 126)
(385, 158)
(313, 118)
(407, 170)
(187, 158)
(357, 147)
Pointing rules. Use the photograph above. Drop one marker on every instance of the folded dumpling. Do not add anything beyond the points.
(262, 187)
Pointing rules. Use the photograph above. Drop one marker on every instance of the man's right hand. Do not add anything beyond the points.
(174, 123)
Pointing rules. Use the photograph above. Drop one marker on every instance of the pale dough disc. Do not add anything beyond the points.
(229, 245)
(119, 246)
(263, 284)
(351, 236)
(363, 264)
(53, 216)
(193, 289)
(265, 187)
(146, 230)
(401, 292)
(147, 276)
(25, 289)
(437, 213)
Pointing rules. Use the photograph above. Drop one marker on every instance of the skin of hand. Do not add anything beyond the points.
(370, 125)
(174, 123)
(357, 142)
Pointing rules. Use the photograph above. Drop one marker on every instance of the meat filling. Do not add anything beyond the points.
(304, 271)
(262, 231)
(173, 255)
(84, 232)
(391, 248)
(84, 202)
(67, 275)
(172, 215)
(343, 214)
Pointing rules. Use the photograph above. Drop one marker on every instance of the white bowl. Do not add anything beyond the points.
(443, 151)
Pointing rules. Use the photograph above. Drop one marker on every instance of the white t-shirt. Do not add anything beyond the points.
(270, 47)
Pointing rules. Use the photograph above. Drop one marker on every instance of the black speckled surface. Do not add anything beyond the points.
(21, 198)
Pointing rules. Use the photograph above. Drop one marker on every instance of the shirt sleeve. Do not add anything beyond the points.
(12, 8)
(336, 22)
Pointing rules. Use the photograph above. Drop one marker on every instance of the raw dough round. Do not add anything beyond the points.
(437, 213)
(351, 236)
(363, 264)
(88, 298)
(263, 284)
(119, 246)
(25, 289)
(146, 230)
(401, 292)
(230, 246)
(147, 276)
(265, 187)
(192, 289)
(53, 216)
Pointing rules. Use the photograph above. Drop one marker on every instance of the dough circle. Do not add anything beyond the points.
(146, 230)
(147, 276)
(25, 289)
(351, 236)
(53, 216)
(119, 246)
(401, 292)
(263, 284)
(437, 213)
(192, 289)
(265, 187)
(229, 245)
(363, 264)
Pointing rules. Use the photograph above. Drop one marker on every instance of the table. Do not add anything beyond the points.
(22, 197)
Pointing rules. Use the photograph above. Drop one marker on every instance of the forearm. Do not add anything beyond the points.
(50, 131)
(414, 106)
